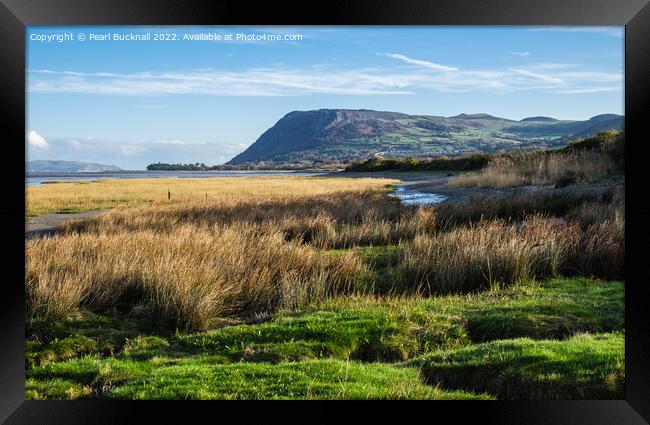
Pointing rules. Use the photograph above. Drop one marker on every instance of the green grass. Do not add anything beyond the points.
(55, 389)
(582, 367)
(93, 371)
(213, 377)
(318, 379)
(364, 335)
(351, 347)
(381, 260)
(59, 349)
(555, 309)
(49, 341)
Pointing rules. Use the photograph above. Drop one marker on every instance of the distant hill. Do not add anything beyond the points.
(546, 119)
(68, 167)
(600, 123)
(345, 135)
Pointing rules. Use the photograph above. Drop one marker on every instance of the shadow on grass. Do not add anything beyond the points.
(581, 367)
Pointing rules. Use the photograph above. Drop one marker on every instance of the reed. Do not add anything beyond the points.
(195, 263)
(502, 252)
(190, 276)
(538, 168)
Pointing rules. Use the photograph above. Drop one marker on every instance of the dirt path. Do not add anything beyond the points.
(35, 227)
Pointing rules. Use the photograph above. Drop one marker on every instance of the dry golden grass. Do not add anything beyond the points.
(593, 213)
(475, 257)
(480, 255)
(599, 248)
(343, 219)
(537, 168)
(196, 261)
(192, 276)
(75, 197)
(585, 203)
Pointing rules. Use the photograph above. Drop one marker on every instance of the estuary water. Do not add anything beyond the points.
(415, 197)
(35, 179)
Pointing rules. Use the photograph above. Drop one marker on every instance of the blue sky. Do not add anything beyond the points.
(130, 103)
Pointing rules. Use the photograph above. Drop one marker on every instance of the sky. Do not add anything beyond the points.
(203, 94)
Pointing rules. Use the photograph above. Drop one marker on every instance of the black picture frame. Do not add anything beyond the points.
(15, 15)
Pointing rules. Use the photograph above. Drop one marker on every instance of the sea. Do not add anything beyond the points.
(35, 179)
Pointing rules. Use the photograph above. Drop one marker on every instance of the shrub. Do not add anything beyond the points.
(473, 161)
(611, 143)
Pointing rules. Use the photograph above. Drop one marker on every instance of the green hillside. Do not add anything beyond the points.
(347, 135)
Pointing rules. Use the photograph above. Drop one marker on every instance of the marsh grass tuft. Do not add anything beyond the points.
(539, 168)
(193, 264)
(501, 252)
(189, 276)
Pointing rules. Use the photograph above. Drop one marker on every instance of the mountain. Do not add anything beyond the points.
(478, 116)
(68, 167)
(343, 135)
(546, 119)
(600, 123)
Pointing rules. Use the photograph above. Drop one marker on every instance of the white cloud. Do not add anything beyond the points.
(134, 154)
(76, 144)
(521, 54)
(173, 142)
(131, 150)
(556, 65)
(423, 63)
(409, 77)
(35, 140)
(538, 76)
(610, 31)
(253, 82)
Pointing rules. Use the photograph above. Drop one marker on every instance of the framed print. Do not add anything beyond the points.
(415, 200)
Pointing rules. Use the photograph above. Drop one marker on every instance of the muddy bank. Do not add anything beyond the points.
(431, 187)
(464, 194)
(406, 176)
(36, 227)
